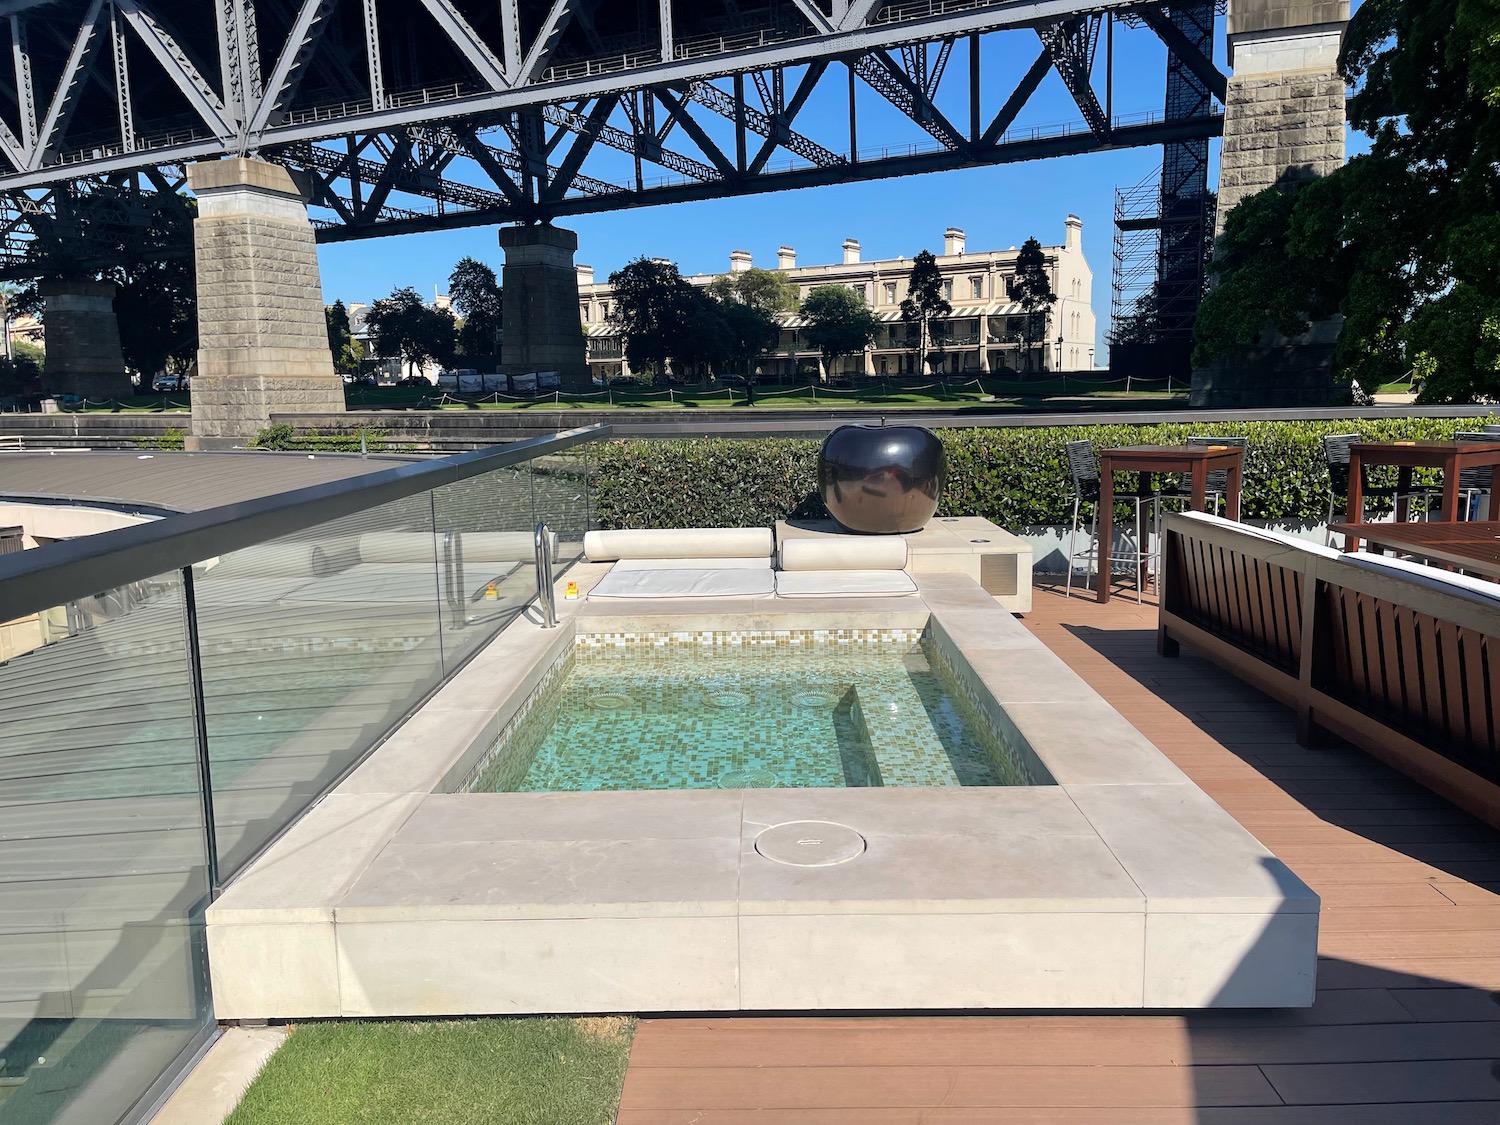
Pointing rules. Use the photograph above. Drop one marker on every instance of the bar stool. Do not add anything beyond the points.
(1083, 466)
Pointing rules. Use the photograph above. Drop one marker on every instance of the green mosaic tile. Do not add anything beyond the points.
(743, 709)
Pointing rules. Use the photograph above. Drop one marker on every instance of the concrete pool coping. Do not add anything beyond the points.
(1123, 886)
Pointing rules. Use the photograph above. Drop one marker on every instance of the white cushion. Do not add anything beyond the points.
(684, 583)
(1480, 590)
(843, 583)
(1264, 533)
(844, 552)
(679, 543)
(761, 562)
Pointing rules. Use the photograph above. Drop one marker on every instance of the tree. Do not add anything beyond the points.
(653, 304)
(923, 304)
(767, 291)
(751, 301)
(701, 342)
(156, 306)
(25, 350)
(402, 325)
(336, 317)
(1403, 241)
(1031, 288)
(839, 323)
(479, 299)
(21, 375)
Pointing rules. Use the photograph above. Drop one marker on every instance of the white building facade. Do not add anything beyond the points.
(983, 334)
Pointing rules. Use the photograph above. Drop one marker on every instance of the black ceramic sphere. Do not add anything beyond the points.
(881, 480)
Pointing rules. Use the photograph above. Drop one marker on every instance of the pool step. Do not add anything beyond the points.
(906, 749)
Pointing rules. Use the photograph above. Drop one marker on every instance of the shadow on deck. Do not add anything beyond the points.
(1405, 1030)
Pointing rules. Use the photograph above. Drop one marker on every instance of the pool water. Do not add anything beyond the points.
(750, 716)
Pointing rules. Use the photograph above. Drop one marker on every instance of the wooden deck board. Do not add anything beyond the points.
(1406, 1030)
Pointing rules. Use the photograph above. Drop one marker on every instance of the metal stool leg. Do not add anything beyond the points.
(1072, 548)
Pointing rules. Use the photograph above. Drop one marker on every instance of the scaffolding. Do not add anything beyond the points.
(1164, 224)
(1136, 258)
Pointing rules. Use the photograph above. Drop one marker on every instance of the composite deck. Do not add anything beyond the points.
(1405, 1031)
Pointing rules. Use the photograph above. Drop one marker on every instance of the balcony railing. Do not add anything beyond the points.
(216, 673)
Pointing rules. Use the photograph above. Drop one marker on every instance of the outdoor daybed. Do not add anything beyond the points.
(737, 562)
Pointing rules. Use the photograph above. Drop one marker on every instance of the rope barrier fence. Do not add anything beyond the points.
(874, 390)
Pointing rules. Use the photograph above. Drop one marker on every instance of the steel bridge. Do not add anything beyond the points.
(415, 115)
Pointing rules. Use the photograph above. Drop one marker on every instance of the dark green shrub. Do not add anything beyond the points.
(282, 436)
(278, 435)
(173, 438)
(1017, 477)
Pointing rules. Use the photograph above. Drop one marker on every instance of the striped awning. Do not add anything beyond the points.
(885, 316)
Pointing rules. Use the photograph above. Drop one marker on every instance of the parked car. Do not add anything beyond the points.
(170, 383)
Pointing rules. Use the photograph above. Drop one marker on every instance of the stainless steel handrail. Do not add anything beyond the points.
(545, 595)
(31, 581)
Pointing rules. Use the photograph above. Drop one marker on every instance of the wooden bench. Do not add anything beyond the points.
(1404, 665)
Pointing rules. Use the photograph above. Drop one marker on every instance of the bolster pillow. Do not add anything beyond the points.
(679, 543)
(876, 552)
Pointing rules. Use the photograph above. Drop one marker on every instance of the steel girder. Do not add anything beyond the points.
(257, 93)
(446, 164)
(95, 223)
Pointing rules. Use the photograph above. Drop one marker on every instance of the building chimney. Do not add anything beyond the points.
(1075, 233)
(851, 251)
(786, 258)
(739, 261)
(585, 275)
(953, 242)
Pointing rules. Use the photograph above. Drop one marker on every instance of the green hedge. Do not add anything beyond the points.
(1017, 477)
(281, 436)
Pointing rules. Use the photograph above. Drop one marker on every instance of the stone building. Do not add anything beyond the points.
(982, 335)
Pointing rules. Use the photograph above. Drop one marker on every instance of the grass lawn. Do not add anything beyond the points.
(159, 403)
(540, 1071)
(961, 392)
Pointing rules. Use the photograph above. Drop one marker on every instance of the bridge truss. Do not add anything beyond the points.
(412, 115)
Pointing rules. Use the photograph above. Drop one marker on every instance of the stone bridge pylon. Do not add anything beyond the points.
(1284, 121)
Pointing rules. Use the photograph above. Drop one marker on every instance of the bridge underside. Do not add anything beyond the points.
(429, 114)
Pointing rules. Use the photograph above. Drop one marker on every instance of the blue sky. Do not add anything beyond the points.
(997, 207)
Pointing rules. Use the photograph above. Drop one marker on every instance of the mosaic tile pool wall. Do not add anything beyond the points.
(744, 709)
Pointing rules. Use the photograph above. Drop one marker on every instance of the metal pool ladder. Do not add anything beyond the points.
(545, 595)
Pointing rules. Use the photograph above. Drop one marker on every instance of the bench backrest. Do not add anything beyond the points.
(1395, 646)
(1423, 661)
(1242, 584)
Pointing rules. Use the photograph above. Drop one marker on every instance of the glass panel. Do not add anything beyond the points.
(488, 558)
(314, 646)
(103, 871)
(564, 501)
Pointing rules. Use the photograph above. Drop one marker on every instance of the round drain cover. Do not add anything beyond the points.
(728, 699)
(610, 701)
(748, 777)
(810, 843)
(813, 700)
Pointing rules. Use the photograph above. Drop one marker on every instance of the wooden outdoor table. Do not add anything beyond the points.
(1198, 460)
(1470, 545)
(1451, 456)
